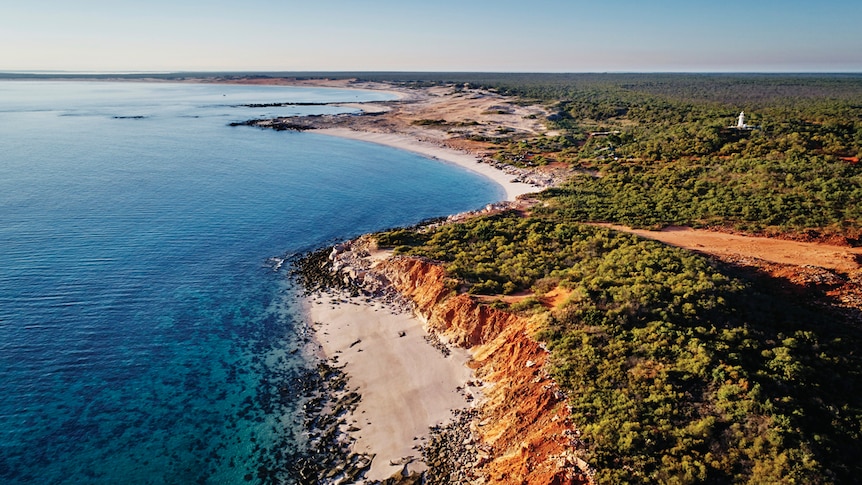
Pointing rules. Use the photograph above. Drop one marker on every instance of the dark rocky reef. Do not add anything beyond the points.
(278, 124)
(327, 456)
(278, 105)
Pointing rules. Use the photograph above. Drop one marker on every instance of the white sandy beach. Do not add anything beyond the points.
(461, 159)
(406, 384)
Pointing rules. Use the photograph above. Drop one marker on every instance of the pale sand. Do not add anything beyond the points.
(464, 160)
(406, 384)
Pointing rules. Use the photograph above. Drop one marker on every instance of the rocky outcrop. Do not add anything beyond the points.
(456, 318)
(277, 124)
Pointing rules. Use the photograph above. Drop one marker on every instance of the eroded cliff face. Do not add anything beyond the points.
(523, 416)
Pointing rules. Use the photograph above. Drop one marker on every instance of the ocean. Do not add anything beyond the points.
(148, 332)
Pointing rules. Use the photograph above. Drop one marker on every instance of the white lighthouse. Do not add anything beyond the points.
(740, 122)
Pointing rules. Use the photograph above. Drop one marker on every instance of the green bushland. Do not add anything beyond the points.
(659, 150)
(792, 194)
(677, 369)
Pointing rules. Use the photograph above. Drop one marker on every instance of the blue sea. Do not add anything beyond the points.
(146, 334)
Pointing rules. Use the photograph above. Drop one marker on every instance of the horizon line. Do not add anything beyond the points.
(82, 72)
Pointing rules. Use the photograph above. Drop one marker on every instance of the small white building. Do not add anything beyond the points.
(740, 123)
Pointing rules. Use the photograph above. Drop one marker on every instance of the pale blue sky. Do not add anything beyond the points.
(441, 35)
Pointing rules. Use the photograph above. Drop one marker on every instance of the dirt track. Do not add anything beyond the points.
(837, 258)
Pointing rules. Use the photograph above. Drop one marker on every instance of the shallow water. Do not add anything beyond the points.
(146, 335)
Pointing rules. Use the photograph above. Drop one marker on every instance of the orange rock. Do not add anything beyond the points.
(524, 419)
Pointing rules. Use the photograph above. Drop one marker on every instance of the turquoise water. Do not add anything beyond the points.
(145, 334)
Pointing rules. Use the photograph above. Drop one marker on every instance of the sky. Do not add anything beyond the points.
(432, 35)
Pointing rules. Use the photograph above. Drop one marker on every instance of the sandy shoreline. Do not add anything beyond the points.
(406, 384)
(435, 152)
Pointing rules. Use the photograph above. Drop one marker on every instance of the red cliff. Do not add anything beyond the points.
(523, 417)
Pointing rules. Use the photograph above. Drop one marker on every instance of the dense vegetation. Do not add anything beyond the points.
(660, 149)
(681, 369)
(678, 371)
(792, 194)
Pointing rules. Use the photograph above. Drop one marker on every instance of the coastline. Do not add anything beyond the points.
(415, 389)
(513, 189)
(407, 385)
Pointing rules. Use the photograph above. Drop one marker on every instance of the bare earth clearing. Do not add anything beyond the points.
(837, 258)
(827, 274)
